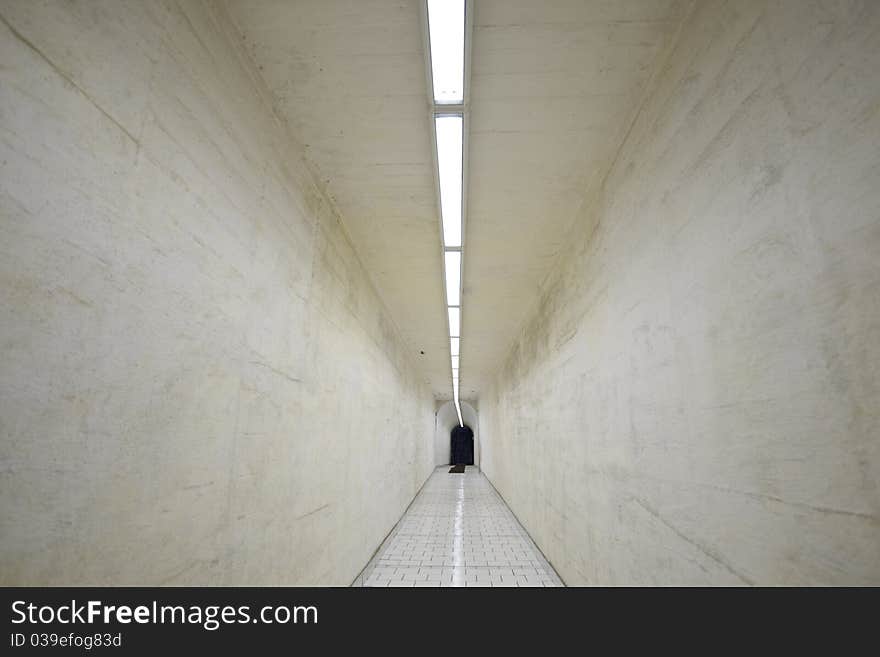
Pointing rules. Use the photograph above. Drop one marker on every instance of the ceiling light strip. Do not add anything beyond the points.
(446, 34)
(446, 22)
(449, 131)
(453, 278)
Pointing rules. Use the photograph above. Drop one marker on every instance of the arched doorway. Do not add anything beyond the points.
(445, 420)
(461, 445)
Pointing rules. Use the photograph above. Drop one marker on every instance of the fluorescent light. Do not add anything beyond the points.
(454, 322)
(449, 149)
(446, 31)
(453, 277)
(457, 405)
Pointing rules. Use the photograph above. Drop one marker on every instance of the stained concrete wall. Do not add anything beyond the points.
(198, 385)
(695, 400)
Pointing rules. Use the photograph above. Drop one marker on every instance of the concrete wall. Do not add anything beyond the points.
(695, 400)
(198, 384)
(446, 420)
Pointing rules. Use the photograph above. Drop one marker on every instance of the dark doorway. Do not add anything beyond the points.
(462, 446)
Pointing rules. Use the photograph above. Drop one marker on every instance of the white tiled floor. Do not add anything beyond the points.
(458, 532)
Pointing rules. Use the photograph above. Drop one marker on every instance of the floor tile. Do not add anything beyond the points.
(458, 532)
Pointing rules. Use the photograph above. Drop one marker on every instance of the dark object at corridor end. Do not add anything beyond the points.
(457, 469)
(461, 446)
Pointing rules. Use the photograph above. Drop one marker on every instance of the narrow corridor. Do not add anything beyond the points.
(265, 265)
(458, 532)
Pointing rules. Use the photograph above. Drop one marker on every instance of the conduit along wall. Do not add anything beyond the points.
(199, 384)
(695, 400)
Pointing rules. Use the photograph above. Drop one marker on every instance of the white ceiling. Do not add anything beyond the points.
(553, 86)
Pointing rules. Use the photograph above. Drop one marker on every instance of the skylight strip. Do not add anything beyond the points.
(446, 33)
(449, 131)
(453, 278)
(454, 322)
(447, 23)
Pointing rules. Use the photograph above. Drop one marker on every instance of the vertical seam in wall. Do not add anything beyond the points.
(531, 538)
(650, 90)
(223, 25)
(311, 169)
(392, 530)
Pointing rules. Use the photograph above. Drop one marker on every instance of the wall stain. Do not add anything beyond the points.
(276, 371)
(68, 79)
(313, 512)
(709, 552)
